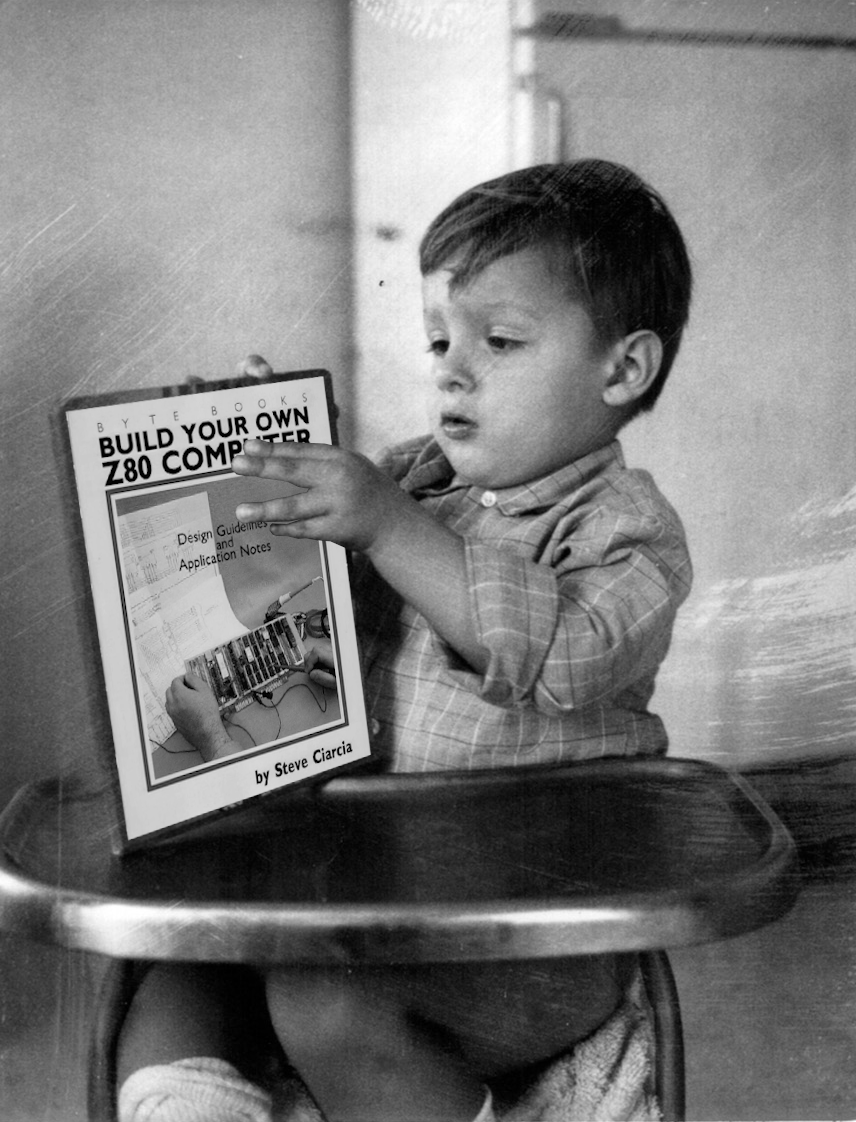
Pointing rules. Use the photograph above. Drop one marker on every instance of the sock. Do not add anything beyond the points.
(486, 1113)
(201, 1089)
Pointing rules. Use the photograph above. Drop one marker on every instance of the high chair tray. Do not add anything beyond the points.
(609, 855)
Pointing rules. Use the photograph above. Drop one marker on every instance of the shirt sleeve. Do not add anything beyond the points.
(578, 633)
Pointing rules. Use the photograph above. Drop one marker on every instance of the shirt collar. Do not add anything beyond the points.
(431, 473)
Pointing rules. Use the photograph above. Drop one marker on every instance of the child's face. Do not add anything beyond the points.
(519, 377)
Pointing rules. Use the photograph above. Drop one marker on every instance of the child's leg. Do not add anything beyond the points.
(182, 1010)
(213, 1014)
(401, 1043)
(363, 1056)
(506, 1016)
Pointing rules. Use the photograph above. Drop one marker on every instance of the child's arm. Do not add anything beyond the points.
(349, 501)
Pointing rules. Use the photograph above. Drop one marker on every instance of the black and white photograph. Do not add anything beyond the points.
(475, 743)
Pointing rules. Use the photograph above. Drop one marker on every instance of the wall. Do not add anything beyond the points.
(175, 183)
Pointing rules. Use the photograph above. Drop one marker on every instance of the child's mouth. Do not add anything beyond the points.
(456, 426)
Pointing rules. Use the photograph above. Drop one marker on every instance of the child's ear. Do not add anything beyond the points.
(635, 362)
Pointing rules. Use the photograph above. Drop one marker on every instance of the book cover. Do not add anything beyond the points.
(180, 586)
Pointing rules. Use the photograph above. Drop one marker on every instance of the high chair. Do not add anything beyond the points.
(613, 855)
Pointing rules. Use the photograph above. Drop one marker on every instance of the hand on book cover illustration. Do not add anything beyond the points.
(191, 703)
(193, 708)
(320, 665)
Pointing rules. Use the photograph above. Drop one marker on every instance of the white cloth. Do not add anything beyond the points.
(608, 1077)
(200, 1089)
(486, 1113)
(294, 1104)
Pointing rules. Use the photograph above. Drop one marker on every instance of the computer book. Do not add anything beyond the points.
(228, 652)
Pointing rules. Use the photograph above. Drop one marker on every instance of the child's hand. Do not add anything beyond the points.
(195, 713)
(254, 366)
(344, 498)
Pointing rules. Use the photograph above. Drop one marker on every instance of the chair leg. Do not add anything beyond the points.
(670, 1079)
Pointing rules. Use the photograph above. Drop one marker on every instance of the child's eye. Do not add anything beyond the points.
(502, 342)
(438, 346)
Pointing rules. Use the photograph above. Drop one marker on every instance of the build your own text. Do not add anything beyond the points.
(174, 448)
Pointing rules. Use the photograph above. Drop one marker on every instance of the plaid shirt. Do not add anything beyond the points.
(574, 582)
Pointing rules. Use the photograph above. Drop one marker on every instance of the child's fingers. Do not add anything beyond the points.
(287, 508)
(318, 529)
(284, 461)
(258, 458)
(289, 449)
(273, 510)
(254, 366)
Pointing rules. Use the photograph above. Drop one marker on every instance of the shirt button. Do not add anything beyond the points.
(488, 499)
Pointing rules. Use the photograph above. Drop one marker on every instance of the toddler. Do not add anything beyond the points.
(515, 585)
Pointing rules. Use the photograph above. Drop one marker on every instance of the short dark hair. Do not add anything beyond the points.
(612, 237)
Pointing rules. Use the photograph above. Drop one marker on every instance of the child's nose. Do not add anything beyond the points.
(455, 371)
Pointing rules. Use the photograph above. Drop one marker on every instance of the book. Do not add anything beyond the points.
(187, 595)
